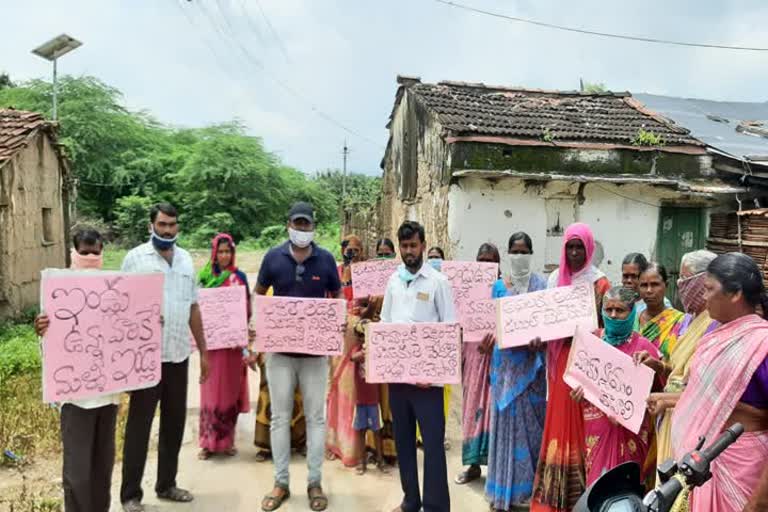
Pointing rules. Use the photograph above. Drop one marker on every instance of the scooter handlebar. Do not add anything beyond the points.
(725, 439)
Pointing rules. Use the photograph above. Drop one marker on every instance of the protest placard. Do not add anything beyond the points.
(472, 282)
(225, 316)
(105, 333)
(299, 325)
(422, 353)
(371, 277)
(611, 380)
(548, 314)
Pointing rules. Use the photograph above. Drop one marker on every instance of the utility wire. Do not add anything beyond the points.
(596, 33)
(260, 67)
(274, 32)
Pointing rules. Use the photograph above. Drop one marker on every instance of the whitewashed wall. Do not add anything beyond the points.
(484, 211)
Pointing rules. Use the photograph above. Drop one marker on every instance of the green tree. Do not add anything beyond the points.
(593, 87)
(361, 190)
(5, 81)
(132, 218)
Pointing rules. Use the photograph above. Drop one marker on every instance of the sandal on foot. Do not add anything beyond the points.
(360, 469)
(473, 473)
(204, 454)
(317, 500)
(262, 456)
(272, 502)
(231, 452)
(176, 494)
(383, 467)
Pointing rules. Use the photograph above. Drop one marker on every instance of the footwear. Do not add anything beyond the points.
(133, 506)
(317, 500)
(272, 502)
(176, 494)
(466, 476)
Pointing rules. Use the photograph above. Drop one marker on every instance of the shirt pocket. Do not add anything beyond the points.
(424, 307)
(183, 286)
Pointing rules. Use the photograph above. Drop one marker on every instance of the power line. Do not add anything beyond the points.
(261, 68)
(274, 32)
(628, 198)
(596, 33)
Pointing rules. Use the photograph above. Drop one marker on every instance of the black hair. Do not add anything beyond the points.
(658, 268)
(344, 243)
(635, 258)
(520, 235)
(737, 272)
(489, 249)
(166, 208)
(387, 242)
(225, 241)
(86, 236)
(408, 229)
(437, 250)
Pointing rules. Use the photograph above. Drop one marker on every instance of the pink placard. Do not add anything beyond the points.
(472, 283)
(299, 325)
(105, 333)
(371, 277)
(610, 379)
(424, 353)
(225, 316)
(548, 314)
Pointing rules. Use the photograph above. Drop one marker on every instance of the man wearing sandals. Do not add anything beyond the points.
(180, 315)
(418, 293)
(298, 268)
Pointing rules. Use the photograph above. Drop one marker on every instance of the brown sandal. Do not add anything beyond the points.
(317, 500)
(272, 502)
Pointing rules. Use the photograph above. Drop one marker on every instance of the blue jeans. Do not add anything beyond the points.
(311, 374)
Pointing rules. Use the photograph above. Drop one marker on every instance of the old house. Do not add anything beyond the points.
(477, 163)
(33, 207)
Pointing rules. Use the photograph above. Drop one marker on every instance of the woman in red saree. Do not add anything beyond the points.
(224, 395)
(728, 383)
(609, 443)
(560, 475)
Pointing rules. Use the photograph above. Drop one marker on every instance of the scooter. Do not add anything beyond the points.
(619, 490)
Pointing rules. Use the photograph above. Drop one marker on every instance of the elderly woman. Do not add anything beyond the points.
(688, 332)
(728, 383)
(608, 443)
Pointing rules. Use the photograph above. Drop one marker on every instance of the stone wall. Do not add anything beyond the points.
(32, 223)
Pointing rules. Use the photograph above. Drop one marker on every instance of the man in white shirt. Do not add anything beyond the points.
(418, 293)
(181, 314)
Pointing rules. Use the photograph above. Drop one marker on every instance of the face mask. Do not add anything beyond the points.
(520, 264)
(300, 239)
(348, 257)
(162, 244)
(405, 274)
(618, 331)
(436, 263)
(86, 261)
(385, 256)
(691, 291)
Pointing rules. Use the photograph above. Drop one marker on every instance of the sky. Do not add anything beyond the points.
(298, 72)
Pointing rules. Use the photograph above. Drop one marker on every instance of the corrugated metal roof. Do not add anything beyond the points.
(716, 122)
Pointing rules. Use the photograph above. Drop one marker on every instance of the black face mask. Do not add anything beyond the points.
(348, 257)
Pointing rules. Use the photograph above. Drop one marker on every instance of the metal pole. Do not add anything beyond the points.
(344, 176)
(54, 91)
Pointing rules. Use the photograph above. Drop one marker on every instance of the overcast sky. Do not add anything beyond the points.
(206, 61)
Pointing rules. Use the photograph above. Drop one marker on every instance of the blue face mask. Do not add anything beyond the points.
(437, 263)
(617, 332)
(405, 274)
(160, 243)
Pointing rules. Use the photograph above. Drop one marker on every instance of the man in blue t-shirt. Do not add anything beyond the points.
(298, 268)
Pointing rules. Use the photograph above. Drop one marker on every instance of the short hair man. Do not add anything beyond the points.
(181, 314)
(418, 293)
(298, 268)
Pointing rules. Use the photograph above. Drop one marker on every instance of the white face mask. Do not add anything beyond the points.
(300, 239)
(519, 264)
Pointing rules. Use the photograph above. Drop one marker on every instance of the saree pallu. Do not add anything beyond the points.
(475, 405)
(341, 439)
(518, 408)
(264, 417)
(223, 396)
(735, 476)
(689, 332)
(659, 330)
(560, 477)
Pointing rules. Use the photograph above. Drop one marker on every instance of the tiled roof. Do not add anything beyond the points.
(15, 128)
(552, 116)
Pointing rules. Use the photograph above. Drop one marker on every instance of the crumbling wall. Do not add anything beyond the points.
(32, 232)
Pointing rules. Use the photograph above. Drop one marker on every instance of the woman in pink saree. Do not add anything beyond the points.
(728, 383)
(609, 443)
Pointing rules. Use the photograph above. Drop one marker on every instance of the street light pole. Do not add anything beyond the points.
(51, 51)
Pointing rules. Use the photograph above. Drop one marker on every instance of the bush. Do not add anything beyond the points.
(271, 236)
(20, 349)
(132, 218)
